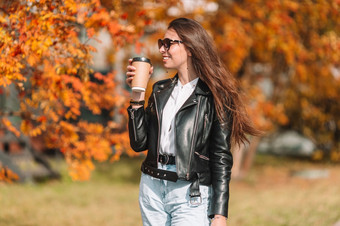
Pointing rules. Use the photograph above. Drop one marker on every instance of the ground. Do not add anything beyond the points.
(269, 195)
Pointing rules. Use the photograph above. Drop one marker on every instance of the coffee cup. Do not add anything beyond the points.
(141, 78)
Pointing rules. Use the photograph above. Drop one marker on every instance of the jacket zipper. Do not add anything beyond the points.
(205, 121)
(134, 124)
(158, 137)
(193, 139)
(175, 132)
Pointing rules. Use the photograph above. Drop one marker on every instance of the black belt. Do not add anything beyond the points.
(167, 159)
(195, 194)
(158, 173)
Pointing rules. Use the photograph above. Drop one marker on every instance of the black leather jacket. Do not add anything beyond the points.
(202, 142)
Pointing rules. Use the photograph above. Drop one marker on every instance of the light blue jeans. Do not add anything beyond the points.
(166, 203)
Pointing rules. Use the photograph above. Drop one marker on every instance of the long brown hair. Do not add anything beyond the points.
(209, 67)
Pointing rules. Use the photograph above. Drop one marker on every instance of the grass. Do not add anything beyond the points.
(269, 195)
(109, 198)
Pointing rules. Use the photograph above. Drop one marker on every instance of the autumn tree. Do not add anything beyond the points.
(290, 45)
(42, 54)
(293, 45)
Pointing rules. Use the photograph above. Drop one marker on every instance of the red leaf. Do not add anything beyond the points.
(148, 21)
(141, 13)
(42, 118)
(124, 16)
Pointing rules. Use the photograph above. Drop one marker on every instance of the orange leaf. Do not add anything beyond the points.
(114, 27)
(90, 32)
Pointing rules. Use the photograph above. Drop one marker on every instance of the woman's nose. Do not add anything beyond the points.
(162, 49)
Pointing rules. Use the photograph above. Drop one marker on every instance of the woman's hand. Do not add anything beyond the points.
(219, 220)
(131, 72)
(137, 96)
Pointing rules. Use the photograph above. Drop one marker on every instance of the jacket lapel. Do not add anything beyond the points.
(192, 100)
(163, 93)
(164, 90)
(201, 89)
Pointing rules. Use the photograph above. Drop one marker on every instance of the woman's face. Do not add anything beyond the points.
(177, 56)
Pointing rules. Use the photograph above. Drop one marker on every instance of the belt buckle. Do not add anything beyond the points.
(167, 157)
(194, 201)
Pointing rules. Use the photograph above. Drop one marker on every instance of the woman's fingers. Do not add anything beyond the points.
(129, 78)
(130, 73)
(130, 68)
(129, 81)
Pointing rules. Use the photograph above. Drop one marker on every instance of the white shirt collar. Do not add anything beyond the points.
(191, 85)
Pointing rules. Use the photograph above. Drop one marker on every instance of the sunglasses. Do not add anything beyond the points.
(167, 43)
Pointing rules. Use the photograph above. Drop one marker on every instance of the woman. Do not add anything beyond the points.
(187, 127)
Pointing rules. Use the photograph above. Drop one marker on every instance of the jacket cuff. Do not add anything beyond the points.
(136, 128)
(220, 202)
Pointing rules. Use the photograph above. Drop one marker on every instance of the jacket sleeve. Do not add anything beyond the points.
(138, 124)
(221, 162)
(138, 128)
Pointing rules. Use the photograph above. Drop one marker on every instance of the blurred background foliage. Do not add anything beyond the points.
(63, 62)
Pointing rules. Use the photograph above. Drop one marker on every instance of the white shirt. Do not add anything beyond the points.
(178, 96)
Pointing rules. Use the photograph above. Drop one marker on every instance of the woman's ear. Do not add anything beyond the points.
(188, 51)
